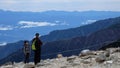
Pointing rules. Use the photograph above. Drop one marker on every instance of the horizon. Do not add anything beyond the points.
(59, 5)
(61, 11)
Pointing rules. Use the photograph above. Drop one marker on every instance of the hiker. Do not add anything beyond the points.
(36, 47)
(26, 50)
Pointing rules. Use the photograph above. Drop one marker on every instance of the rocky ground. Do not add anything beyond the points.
(109, 58)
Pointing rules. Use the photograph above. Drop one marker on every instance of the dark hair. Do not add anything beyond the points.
(37, 34)
(26, 41)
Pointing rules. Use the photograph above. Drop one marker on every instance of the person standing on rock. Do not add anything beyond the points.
(36, 47)
(26, 50)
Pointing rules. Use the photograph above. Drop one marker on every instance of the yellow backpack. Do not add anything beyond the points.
(33, 45)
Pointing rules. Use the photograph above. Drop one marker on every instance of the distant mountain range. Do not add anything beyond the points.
(10, 48)
(80, 31)
(93, 41)
(99, 34)
(16, 26)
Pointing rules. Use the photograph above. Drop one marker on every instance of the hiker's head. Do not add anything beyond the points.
(26, 42)
(37, 34)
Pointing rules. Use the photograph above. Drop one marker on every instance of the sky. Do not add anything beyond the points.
(62, 5)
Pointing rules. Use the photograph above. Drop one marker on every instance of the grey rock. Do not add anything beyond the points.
(87, 61)
(86, 53)
(71, 59)
(63, 67)
(59, 56)
(29, 66)
(101, 58)
(107, 54)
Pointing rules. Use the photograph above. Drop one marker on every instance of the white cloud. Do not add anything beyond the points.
(28, 24)
(61, 23)
(4, 28)
(88, 22)
(3, 43)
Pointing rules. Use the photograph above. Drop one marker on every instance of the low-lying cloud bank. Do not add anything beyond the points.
(31, 24)
(8, 27)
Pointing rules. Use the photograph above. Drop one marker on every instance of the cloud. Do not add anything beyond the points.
(28, 24)
(4, 28)
(3, 43)
(61, 23)
(88, 22)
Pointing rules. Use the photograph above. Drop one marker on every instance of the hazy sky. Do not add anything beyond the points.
(65, 5)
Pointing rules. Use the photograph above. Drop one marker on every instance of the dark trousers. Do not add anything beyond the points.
(37, 56)
(26, 58)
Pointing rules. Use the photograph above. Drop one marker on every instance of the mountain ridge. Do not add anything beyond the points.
(67, 47)
(64, 44)
(80, 31)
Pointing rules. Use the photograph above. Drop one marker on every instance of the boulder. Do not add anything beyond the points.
(86, 52)
(108, 62)
(113, 50)
(71, 59)
(100, 58)
(107, 54)
(86, 61)
(29, 66)
(59, 56)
